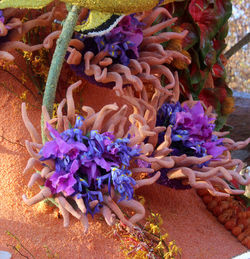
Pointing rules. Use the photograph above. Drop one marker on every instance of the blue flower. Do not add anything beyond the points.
(1, 16)
(123, 182)
(92, 196)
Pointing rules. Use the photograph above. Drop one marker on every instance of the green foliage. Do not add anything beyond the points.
(204, 78)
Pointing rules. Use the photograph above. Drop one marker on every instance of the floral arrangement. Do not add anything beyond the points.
(93, 163)
(121, 43)
(192, 130)
(122, 57)
(84, 164)
(201, 158)
(87, 166)
(191, 134)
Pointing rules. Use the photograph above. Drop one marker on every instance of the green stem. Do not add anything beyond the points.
(57, 62)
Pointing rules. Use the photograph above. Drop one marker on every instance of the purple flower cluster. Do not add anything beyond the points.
(1, 16)
(84, 164)
(192, 130)
(192, 134)
(122, 42)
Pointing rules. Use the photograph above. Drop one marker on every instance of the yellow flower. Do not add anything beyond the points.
(141, 199)
(27, 55)
(140, 255)
(163, 237)
(23, 79)
(168, 255)
(154, 229)
(55, 107)
(160, 246)
(23, 96)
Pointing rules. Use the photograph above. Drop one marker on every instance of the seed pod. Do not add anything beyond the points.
(242, 221)
(224, 205)
(241, 236)
(246, 242)
(225, 216)
(242, 214)
(217, 210)
(231, 224)
(212, 204)
(207, 198)
(236, 231)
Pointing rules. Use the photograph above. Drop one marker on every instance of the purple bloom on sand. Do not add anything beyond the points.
(192, 130)
(84, 164)
(192, 134)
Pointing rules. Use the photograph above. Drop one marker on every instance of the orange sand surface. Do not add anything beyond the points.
(185, 217)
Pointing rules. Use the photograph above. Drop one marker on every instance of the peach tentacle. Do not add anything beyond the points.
(36, 177)
(158, 27)
(148, 21)
(60, 115)
(102, 114)
(113, 206)
(137, 207)
(108, 216)
(70, 101)
(43, 194)
(32, 164)
(148, 181)
(29, 126)
(65, 204)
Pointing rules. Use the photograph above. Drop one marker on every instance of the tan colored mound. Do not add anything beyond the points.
(185, 217)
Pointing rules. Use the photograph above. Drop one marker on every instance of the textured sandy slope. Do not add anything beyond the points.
(186, 220)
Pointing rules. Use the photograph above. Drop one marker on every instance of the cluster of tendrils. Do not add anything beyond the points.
(12, 30)
(205, 171)
(148, 68)
(110, 119)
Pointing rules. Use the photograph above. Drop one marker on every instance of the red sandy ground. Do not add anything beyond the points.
(185, 217)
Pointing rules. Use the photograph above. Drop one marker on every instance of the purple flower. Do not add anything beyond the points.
(166, 116)
(83, 164)
(215, 147)
(192, 130)
(122, 44)
(61, 181)
(1, 16)
(58, 147)
(171, 183)
(142, 163)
